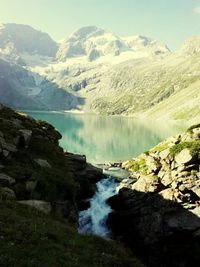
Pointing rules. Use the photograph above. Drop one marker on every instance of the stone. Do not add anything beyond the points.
(7, 193)
(26, 134)
(167, 179)
(43, 163)
(152, 164)
(10, 147)
(146, 184)
(168, 194)
(184, 157)
(6, 180)
(5, 153)
(43, 206)
(165, 153)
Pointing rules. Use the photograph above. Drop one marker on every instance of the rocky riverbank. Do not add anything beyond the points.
(157, 209)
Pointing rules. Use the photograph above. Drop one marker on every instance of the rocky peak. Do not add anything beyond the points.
(26, 39)
(140, 42)
(91, 40)
(191, 46)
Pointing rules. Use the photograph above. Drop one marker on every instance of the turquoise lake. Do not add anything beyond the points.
(106, 138)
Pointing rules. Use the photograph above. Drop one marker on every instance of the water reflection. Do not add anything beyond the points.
(104, 139)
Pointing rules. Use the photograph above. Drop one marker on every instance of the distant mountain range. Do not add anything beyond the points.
(97, 71)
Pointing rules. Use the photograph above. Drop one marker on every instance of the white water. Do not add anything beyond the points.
(93, 220)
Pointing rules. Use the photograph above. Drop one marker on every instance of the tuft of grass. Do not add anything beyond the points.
(193, 146)
(160, 147)
(138, 166)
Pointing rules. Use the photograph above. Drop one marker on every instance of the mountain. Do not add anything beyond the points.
(94, 42)
(97, 71)
(25, 39)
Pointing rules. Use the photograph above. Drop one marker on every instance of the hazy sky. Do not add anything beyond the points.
(171, 21)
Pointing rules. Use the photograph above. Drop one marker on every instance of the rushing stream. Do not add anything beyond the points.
(93, 220)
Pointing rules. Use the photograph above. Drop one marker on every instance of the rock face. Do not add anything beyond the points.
(25, 39)
(160, 210)
(35, 171)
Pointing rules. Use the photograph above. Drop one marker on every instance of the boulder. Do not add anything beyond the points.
(38, 204)
(6, 180)
(184, 157)
(165, 153)
(43, 163)
(26, 135)
(168, 194)
(7, 193)
(147, 184)
(152, 164)
(5, 153)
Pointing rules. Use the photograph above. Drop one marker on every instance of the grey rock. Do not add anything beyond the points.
(165, 153)
(26, 134)
(6, 180)
(10, 147)
(5, 153)
(38, 204)
(146, 184)
(184, 157)
(152, 164)
(43, 163)
(167, 179)
(7, 193)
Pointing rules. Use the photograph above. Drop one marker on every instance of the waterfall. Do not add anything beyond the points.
(93, 220)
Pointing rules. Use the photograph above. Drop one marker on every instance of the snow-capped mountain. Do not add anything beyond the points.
(93, 43)
(97, 71)
(141, 43)
(25, 39)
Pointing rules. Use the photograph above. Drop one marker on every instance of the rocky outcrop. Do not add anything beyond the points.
(35, 171)
(158, 208)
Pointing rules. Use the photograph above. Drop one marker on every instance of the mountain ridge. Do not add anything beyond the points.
(96, 71)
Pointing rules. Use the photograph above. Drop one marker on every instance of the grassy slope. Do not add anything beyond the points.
(183, 105)
(29, 238)
(151, 85)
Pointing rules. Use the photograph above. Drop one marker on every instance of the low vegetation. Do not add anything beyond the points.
(193, 146)
(28, 238)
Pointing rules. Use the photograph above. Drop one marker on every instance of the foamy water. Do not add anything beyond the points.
(93, 220)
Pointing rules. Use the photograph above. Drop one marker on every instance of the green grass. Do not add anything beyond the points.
(138, 166)
(160, 147)
(193, 146)
(28, 238)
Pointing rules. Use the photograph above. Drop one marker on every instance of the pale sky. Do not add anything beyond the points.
(170, 21)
